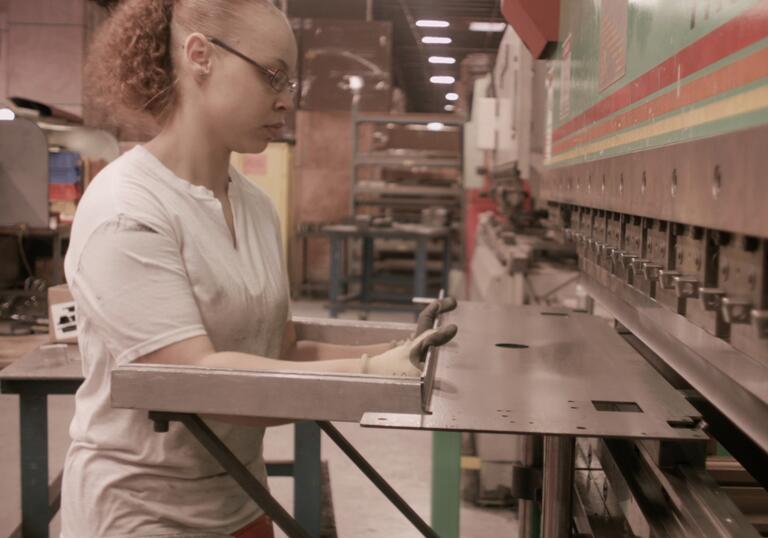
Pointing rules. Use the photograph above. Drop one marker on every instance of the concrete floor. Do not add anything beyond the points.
(402, 457)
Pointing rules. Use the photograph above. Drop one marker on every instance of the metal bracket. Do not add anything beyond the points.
(666, 278)
(651, 270)
(760, 322)
(736, 310)
(711, 298)
(526, 483)
(627, 258)
(638, 264)
(686, 287)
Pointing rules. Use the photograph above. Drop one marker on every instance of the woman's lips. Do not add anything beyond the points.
(275, 130)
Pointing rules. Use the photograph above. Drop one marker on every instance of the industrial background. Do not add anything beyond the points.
(586, 177)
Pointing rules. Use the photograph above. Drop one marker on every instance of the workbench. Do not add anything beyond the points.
(340, 234)
(57, 369)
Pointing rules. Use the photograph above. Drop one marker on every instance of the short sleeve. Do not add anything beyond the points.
(131, 285)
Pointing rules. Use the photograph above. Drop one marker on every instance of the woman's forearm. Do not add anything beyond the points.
(245, 361)
(310, 350)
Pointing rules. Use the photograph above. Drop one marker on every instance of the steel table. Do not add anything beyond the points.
(50, 369)
(57, 369)
(339, 234)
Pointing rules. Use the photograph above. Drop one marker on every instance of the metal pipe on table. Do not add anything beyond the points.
(239, 472)
(557, 486)
(377, 479)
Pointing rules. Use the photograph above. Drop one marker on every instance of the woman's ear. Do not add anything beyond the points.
(198, 55)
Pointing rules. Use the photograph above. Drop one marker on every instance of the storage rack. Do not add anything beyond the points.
(404, 198)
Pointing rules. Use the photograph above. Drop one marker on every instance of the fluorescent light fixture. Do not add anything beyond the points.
(442, 60)
(442, 79)
(484, 26)
(450, 108)
(435, 126)
(426, 23)
(452, 96)
(355, 83)
(7, 114)
(434, 40)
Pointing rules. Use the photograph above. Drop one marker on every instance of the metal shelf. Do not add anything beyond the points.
(413, 119)
(404, 202)
(408, 190)
(369, 159)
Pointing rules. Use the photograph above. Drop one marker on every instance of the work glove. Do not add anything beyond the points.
(427, 317)
(407, 359)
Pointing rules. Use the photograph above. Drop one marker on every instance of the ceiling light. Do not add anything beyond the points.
(7, 114)
(433, 40)
(441, 79)
(484, 26)
(356, 83)
(450, 108)
(426, 23)
(442, 60)
(435, 126)
(452, 96)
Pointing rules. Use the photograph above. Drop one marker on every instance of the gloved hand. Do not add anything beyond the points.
(406, 360)
(427, 317)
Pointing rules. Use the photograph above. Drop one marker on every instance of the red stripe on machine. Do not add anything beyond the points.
(738, 33)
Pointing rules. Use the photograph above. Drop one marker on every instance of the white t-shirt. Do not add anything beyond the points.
(151, 262)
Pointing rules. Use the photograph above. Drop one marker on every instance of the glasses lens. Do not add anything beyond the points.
(280, 80)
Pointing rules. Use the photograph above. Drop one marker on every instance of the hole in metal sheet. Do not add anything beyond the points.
(562, 314)
(512, 346)
(573, 407)
(580, 428)
(382, 419)
(504, 416)
(616, 407)
(682, 424)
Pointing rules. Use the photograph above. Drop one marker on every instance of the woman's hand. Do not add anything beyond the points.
(427, 317)
(406, 360)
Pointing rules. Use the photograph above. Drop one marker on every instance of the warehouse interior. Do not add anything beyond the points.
(453, 268)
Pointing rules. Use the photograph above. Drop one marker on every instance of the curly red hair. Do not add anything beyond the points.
(130, 66)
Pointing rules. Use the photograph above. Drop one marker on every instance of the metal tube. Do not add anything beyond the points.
(33, 408)
(377, 479)
(308, 506)
(529, 516)
(557, 484)
(239, 472)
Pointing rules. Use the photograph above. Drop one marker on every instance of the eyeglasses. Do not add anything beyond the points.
(278, 79)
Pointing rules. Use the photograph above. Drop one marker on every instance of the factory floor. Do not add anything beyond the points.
(402, 457)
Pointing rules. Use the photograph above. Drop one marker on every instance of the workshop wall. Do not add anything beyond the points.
(322, 182)
(42, 40)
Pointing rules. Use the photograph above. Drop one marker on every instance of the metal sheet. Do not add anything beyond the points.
(276, 394)
(548, 387)
(735, 383)
(285, 394)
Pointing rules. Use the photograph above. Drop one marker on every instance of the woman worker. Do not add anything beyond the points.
(176, 259)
